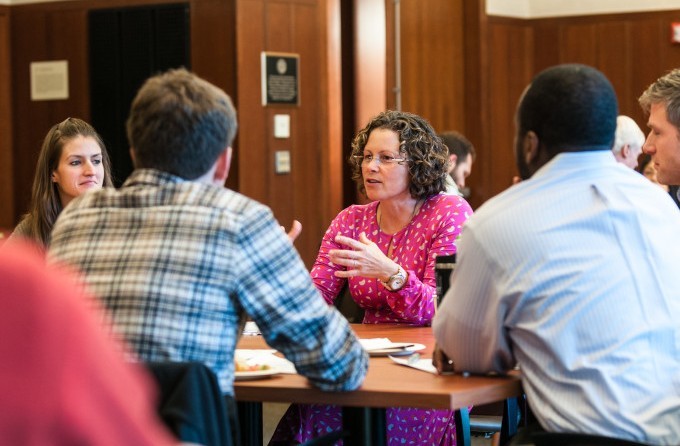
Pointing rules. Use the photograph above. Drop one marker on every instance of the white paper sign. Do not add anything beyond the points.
(49, 80)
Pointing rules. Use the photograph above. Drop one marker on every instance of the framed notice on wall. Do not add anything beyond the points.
(280, 78)
(49, 80)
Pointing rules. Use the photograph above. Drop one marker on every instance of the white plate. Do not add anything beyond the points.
(397, 351)
(255, 374)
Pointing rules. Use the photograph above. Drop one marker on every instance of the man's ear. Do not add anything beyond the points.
(530, 146)
(132, 156)
(452, 161)
(625, 151)
(222, 166)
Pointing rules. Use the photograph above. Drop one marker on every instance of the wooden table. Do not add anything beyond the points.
(387, 384)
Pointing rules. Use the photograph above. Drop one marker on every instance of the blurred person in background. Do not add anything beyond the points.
(628, 141)
(647, 169)
(661, 101)
(62, 380)
(461, 156)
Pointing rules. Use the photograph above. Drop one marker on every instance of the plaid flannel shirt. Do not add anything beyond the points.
(178, 264)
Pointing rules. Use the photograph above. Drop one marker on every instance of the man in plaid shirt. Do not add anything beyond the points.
(179, 261)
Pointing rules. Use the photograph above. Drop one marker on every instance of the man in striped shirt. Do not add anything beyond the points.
(572, 274)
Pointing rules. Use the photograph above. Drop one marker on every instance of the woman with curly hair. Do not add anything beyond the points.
(73, 160)
(386, 251)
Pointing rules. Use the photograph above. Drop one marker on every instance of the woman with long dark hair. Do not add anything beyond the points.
(73, 160)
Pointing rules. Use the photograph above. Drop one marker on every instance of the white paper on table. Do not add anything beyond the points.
(424, 364)
(265, 357)
(381, 344)
(251, 329)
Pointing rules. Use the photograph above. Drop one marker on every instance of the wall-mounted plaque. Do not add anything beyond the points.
(49, 80)
(280, 78)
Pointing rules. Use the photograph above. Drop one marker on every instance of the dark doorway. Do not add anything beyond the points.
(127, 45)
(349, 188)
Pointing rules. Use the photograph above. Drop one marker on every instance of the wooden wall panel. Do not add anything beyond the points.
(34, 40)
(333, 159)
(309, 204)
(546, 51)
(299, 27)
(213, 55)
(578, 44)
(651, 54)
(39, 32)
(632, 50)
(370, 60)
(6, 155)
(71, 27)
(510, 65)
(476, 77)
(432, 62)
(462, 70)
(648, 63)
(58, 30)
(280, 29)
(613, 46)
(252, 118)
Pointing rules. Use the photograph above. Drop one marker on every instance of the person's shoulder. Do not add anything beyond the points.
(23, 235)
(23, 228)
(504, 199)
(21, 260)
(233, 202)
(91, 199)
(235, 211)
(189, 194)
(446, 201)
(355, 211)
(361, 208)
(508, 205)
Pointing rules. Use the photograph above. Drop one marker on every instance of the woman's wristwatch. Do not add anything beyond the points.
(396, 281)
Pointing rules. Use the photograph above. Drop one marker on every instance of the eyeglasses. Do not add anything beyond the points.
(387, 160)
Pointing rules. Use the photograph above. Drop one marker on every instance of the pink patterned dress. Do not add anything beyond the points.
(431, 233)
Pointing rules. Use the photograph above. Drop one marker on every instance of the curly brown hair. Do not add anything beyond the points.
(426, 153)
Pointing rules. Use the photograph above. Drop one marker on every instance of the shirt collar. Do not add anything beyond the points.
(151, 177)
(451, 186)
(567, 161)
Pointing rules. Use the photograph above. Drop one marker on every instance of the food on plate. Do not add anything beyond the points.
(243, 366)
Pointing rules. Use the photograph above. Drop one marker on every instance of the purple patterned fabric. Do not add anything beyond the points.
(432, 232)
(303, 422)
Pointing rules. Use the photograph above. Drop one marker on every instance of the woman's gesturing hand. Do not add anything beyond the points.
(363, 258)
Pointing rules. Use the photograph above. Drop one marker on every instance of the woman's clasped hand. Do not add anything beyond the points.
(363, 258)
